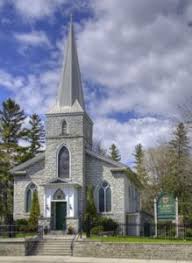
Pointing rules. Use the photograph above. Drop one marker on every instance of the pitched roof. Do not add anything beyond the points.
(57, 180)
(107, 159)
(23, 166)
(70, 93)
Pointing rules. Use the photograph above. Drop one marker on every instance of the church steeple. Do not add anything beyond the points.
(70, 93)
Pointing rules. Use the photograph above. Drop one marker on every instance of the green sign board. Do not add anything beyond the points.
(166, 207)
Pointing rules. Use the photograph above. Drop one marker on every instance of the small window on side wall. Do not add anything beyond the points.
(64, 128)
(31, 188)
(104, 196)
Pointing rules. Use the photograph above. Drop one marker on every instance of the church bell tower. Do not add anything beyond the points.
(68, 126)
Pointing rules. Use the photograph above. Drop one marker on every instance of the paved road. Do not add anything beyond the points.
(47, 259)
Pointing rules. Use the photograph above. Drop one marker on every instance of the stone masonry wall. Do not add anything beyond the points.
(12, 248)
(133, 250)
(74, 140)
(35, 174)
(97, 171)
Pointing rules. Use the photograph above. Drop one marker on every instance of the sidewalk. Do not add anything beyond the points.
(59, 259)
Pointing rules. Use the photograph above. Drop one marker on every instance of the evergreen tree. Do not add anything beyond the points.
(180, 178)
(35, 212)
(140, 165)
(114, 153)
(11, 131)
(143, 177)
(35, 135)
(90, 212)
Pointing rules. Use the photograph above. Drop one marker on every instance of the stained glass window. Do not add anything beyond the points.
(63, 163)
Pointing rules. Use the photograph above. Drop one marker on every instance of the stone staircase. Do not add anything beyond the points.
(54, 245)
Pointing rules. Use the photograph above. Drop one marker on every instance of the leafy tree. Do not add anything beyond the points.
(35, 212)
(90, 213)
(156, 164)
(99, 148)
(114, 153)
(169, 168)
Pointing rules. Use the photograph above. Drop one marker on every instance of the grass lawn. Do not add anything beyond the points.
(121, 239)
(20, 235)
(23, 235)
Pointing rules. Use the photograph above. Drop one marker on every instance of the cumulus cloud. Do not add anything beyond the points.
(35, 93)
(34, 10)
(140, 51)
(34, 38)
(147, 130)
(135, 56)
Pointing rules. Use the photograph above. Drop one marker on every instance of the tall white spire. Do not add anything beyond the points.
(70, 92)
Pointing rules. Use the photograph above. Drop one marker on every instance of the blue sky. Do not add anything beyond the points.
(135, 59)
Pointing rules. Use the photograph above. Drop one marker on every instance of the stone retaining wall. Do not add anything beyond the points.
(133, 250)
(12, 247)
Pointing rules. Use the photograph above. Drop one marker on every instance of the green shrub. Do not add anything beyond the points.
(108, 224)
(22, 225)
(188, 233)
(96, 230)
(34, 213)
(21, 222)
(90, 214)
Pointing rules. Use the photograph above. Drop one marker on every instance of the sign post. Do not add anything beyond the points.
(177, 218)
(166, 209)
(155, 215)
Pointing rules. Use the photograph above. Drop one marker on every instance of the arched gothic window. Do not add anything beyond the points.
(59, 195)
(63, 163)
(104, 197)
(64, 127)
(31, 188)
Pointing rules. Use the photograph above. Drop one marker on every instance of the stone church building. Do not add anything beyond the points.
(61, 173)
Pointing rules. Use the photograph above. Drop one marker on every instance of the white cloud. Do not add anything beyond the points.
(140, 51)
(35, 93)
(34, 38)
(10, 82)
(147, 131)
(37, 9)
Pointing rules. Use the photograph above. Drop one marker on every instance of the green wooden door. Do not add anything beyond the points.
(61, 215)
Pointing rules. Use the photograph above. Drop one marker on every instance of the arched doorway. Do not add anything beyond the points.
(58, 211)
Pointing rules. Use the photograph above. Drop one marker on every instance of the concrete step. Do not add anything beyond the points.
(51, 254)
(54, 247)
(55, 244)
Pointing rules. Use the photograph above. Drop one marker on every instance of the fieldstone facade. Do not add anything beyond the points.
(69, 127)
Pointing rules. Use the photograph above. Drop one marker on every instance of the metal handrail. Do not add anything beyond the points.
(73, 241)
